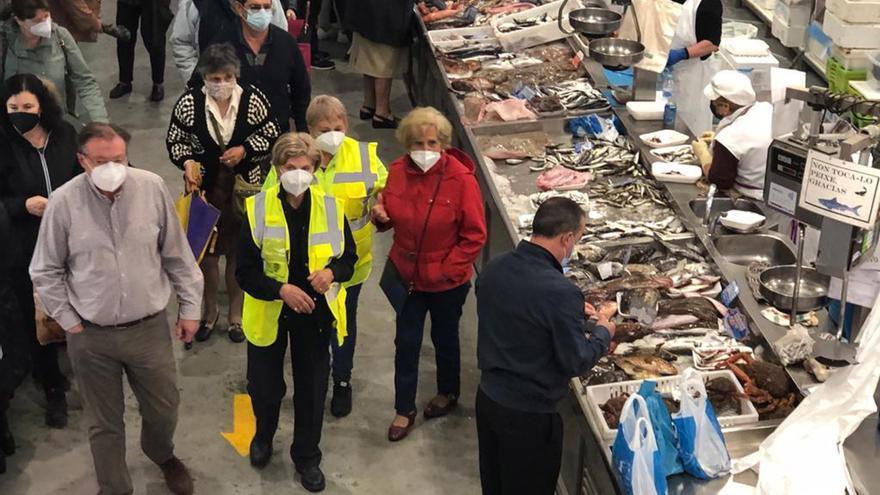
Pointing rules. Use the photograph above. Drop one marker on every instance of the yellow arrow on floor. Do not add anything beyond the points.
(244, 424)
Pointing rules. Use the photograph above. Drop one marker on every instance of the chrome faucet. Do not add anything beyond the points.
(710, 198)
(713, 225)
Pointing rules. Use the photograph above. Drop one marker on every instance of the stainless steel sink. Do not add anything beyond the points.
(746, 249)
(720, 205)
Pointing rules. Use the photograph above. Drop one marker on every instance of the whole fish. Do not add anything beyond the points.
(673, 321)
(835, 205)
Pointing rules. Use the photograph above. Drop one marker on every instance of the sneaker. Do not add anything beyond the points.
(323, 64)
(340, 405)
(177, 477)
(120, 90)
(56, 408)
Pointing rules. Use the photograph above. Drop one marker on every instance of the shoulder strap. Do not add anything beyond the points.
(425, 228)
(216, 127)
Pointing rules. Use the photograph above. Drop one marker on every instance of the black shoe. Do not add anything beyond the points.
(260, 453)
(157, 94)
(367, 113)
(340, 405)
(312, 479)
(322, 54)
(383, 123)
(56, 409)
(7, 442)
(120, 90)
(236, 334)
(204, 332)
(323, 64)
(119, 32)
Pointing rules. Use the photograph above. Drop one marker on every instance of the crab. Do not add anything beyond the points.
(765, 385)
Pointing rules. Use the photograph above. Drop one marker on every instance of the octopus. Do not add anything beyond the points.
(643, 366)
(724, 396)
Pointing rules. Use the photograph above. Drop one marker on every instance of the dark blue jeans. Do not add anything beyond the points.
(445, 308)
(343, 356)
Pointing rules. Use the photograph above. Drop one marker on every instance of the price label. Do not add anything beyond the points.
(730, 293)
(736, 325)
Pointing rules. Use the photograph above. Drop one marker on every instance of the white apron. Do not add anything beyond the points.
(691, 75)
(747, 134)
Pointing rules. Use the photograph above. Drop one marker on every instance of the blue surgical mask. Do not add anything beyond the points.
(260, 20)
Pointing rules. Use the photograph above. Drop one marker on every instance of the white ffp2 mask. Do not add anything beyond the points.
(296, 182)
(329, 142)
(109, 176)
(43, 29)
(424, 159)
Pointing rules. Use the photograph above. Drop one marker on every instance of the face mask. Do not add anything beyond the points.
(23, 121)
(424, 159)
(296, 182)
(219, 90)
(42, 29)
(109, 176)
(259, 21)
(714, 109)
(329, 142)
(566, 260)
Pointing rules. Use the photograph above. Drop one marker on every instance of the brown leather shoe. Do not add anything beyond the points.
(398, 433)
(435, 409)
(177, 477)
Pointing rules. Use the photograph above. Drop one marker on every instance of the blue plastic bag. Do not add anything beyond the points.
(634, 454)
(700, 442)
(664, 432)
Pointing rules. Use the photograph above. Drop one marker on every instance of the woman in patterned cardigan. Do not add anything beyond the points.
(221, 135)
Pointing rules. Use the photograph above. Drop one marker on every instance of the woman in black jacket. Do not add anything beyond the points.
(221, 135)
(38, 151)
(379, 51)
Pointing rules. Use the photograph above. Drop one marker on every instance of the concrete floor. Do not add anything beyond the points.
(438, 458)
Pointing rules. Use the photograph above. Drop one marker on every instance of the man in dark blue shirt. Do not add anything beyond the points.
(533, 337)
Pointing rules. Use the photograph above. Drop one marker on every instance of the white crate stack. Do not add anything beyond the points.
(790, 21)
(854, 29)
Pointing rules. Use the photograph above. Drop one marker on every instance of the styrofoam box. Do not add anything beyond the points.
(818, 43)
(852, 58)
(599, 394)
(790, 36)
(757, 68)
(442, 37)
(536, 35)
(851, 35)
(855, 11)
(766, 4)
(794, 15)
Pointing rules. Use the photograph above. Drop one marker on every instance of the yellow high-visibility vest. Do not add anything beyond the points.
(355, 175)
(270, 234)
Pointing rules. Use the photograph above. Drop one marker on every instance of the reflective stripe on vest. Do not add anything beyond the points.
(333, 236)
(365, 175)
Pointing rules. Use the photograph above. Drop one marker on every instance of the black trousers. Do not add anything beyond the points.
(445, 308)
(129, 16)
(520, 452)
(309, 337)
(44, 359)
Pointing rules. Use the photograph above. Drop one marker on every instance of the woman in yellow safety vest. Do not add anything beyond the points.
(295, 252)
(352, 172)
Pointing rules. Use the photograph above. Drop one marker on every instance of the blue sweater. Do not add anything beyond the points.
(533, 335)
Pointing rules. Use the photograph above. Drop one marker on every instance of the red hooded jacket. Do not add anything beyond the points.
(456, 229)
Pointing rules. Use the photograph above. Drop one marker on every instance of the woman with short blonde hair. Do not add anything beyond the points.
(294, 145)
(433, 203)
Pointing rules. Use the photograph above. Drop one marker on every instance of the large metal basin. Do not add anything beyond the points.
(720, 205)
(778, 282)
(744, 250)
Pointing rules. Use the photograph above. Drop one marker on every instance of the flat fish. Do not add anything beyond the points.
(673, 321)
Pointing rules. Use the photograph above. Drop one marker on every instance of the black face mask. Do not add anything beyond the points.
(714, 111)
(24, 121)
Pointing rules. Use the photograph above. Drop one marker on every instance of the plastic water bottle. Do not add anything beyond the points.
(668, 85)
(670, 109)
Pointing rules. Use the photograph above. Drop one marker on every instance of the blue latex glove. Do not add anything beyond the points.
(676, 56)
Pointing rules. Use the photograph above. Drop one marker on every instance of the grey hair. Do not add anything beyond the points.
(217, 58)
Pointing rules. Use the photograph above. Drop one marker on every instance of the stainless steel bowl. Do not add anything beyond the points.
(616, 53)
(595, 22)
(777, 286)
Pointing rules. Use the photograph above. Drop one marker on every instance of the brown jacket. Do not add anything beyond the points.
(81, 17)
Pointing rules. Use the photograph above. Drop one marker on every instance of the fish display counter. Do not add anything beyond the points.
(646, 248)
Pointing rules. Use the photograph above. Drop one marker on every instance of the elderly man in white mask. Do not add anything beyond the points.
(738, 157)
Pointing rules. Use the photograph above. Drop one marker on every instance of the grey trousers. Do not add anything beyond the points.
(143, 352)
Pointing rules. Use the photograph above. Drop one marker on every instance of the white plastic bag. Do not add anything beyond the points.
(700, 442)
(635, 455)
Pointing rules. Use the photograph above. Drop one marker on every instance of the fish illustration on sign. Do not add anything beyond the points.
(834, 205)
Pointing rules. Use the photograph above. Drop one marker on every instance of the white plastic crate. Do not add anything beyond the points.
(855, 11)
(794, 15)
(757, 68)
(766, 4)
(818, 43)
(535, 35)
(445, 37)
(853, 58)
(851, 35)
(789, 36)
(599, 394)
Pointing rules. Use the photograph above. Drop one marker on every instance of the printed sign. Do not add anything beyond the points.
(782, 198)
(840, 190)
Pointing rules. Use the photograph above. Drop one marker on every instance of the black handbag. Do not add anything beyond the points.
(392, 283)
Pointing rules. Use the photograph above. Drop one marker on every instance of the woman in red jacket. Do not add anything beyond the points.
(433, 203)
